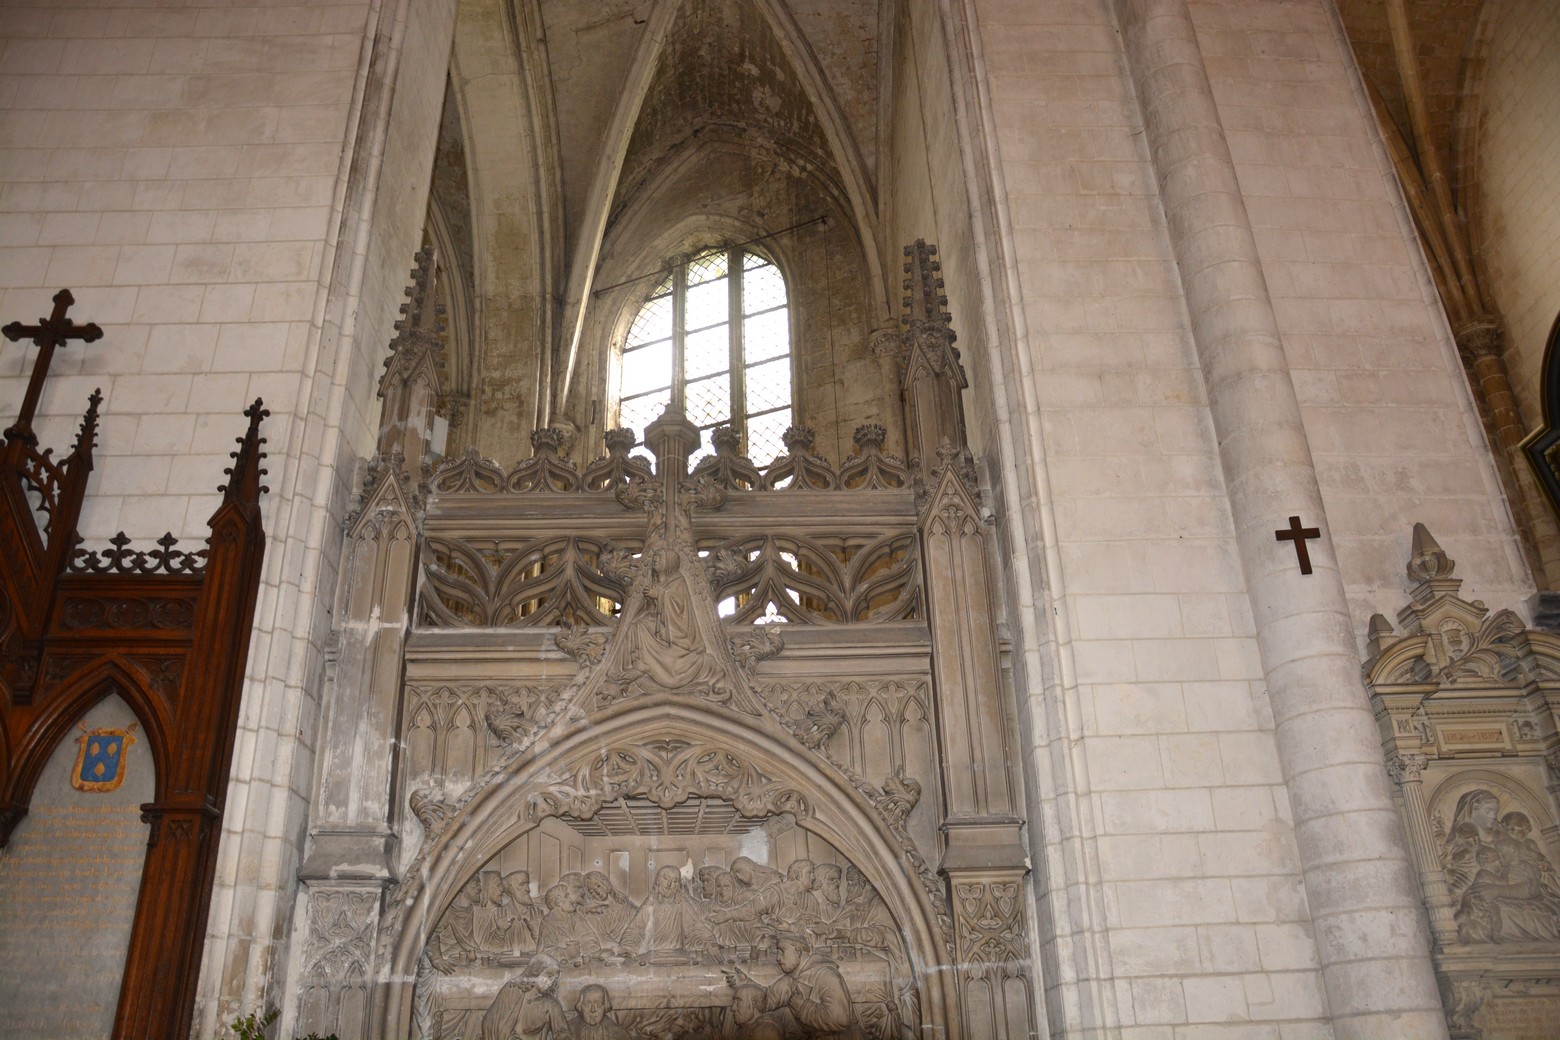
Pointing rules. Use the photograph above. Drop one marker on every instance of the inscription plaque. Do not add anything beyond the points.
(68, 884)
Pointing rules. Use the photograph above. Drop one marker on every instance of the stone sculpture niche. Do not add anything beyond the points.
(649, 910)
(1467, 702)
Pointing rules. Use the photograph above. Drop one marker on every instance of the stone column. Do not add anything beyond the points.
(1407, 772)
(1371, 938)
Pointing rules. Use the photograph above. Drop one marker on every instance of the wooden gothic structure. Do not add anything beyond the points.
(164, 629)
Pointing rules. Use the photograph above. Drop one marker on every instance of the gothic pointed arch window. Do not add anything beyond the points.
(715, 335)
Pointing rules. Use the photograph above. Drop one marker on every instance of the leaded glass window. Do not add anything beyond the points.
(715, 334)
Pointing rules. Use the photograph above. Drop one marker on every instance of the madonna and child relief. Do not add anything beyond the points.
(748, 944)
(1504, 888)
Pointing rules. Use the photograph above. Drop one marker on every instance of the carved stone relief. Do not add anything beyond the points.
(685, 922)
(455, 732)
(342, 926)
(1466, 700)
(1503, 885)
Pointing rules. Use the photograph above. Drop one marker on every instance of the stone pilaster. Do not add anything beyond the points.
(983, 858)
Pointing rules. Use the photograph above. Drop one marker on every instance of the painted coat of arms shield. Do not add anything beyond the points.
(101, 759)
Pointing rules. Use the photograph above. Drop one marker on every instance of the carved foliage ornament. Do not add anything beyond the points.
(991, 928)
(341, 935)
(81, 613)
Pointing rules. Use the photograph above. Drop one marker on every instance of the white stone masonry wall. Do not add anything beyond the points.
(1385, 402)
(1172, 835)
(234, 191)
(174, 166)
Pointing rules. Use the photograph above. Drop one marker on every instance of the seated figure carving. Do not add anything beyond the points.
(811, 988)
(1504, 887)
(564, 932)
(670, 926)
(606, 911)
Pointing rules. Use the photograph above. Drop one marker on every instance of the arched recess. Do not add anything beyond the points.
(71, 703)
(695, 196)
(1542, 447)
(514, 211)
(495, 813)
(604, 194)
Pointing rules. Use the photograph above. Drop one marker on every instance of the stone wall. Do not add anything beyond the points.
(203, 178)
(1516, 210)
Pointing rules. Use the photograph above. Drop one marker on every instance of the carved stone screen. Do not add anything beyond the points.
(69, 878)
(684, 751)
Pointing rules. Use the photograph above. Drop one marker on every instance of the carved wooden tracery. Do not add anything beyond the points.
(167, 631)
(800, 656)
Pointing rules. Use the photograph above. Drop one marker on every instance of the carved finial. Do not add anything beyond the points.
(86, 437)
(1378, 635)
(799, 439)
(548, 441)
(869, 438)
(620, 442)
(726, 440)
(245, 473)
(1428, 561)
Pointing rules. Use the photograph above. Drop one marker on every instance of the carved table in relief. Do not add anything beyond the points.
(465, 995)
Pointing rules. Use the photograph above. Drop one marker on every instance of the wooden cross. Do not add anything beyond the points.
(1298, 535)
(54, 331)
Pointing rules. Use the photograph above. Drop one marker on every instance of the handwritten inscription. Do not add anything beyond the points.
(68, 885)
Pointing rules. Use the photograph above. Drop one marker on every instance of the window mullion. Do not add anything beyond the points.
(679, 318)
(738, 353)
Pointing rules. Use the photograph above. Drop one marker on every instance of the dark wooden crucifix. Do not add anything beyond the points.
(1297, 534)
(54, 331)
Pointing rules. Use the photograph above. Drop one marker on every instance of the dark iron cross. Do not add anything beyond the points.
(54, 331)
(1298, 535)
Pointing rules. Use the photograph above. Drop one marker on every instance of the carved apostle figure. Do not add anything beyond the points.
(730, 931)
(454, 940)
(520, 918)
(606, 911)
(865, 920)
(829, 887)
(670, 925)
(789, 903)
(811, 988)
(527, 1007)
(564, 933)
(593, 1010)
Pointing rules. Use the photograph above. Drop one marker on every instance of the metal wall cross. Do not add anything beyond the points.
(54, 331)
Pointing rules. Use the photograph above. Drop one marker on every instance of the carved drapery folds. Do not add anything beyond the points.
(1467, 703)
